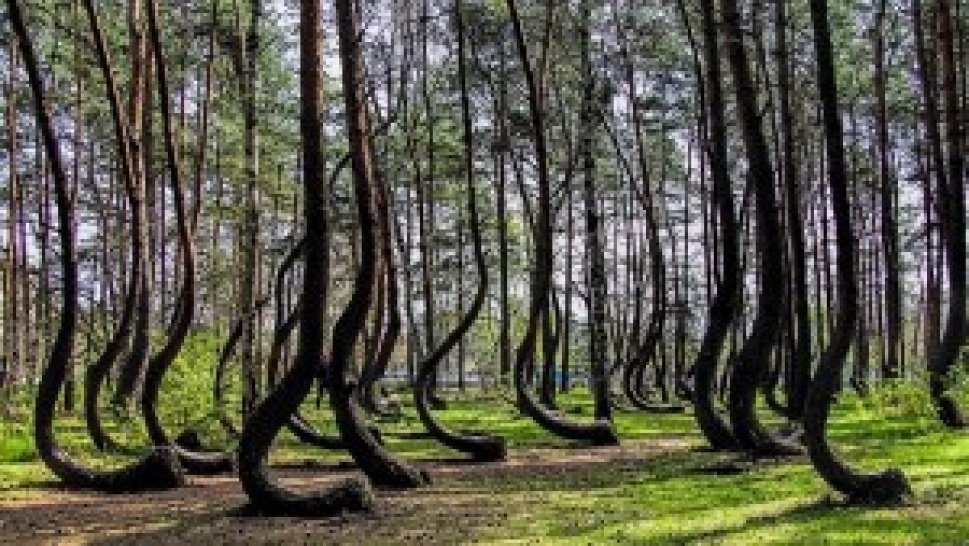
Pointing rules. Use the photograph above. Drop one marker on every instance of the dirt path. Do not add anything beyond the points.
(465, 501)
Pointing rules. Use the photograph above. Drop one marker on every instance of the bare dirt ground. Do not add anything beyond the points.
(464, 502)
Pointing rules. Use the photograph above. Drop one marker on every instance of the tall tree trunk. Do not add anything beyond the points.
(890, 485)
(157, 470)
(598, 350)
(953, 221)
(723, 310)
(268, 417)
(888, 209)
(601, 431)
(12, 353)
(799, 375)
(753, 360)
(249, 227)
(194, 462)
(376, 461)
(480, 446)
(97, 372)
(133, 366)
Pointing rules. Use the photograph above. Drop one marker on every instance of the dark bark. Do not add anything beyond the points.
(194, 462)
(891, 485)
(888, 208)
(97, 372)
(384, 346)
(481, 447)
(599, 432)
(159, 469)
(376, 461)
(952, 209)
(133, 366)
(221, 371)
(798, 377)
(267, 495)
(752, 362)
(598, 352)
(723, 310)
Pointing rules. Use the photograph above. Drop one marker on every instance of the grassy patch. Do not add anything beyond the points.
(648, 496)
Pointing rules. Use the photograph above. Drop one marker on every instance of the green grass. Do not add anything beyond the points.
(664, 498)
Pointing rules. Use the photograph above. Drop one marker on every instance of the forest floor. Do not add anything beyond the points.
(660, 487)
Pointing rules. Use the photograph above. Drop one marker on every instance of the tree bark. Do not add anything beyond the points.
(194, 462)
(890, 485)
(266, 494)
(159, 469)
(753, 360)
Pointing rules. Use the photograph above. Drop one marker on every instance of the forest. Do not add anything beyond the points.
(484, 271)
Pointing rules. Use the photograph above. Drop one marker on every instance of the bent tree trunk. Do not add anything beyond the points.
(194, 462)
(646, 353)
(481, 447)
(378, 463)
(599, 432)
(262, 427)
(222, 367)
(752, 363)
(285, 326)
(133, 365)
(891, 485)
(723, 310)
(285, 323)
(97, 372)
(384, 346)
(159, 469)
(953, 215)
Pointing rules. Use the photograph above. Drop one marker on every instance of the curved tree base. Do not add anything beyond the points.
(775, 405)
(194, 462)
(883, 488)
(597, 433)
(158, 470)
(773, 445)
(205, 464)
(640, 403)
(948, 409)
(712, 424)
(381, 467)
(354, 495)
(299, 427)
(481, 447)
(750, 432)
(889, 488)
(100, 437)
(306, 433)
(93, 382)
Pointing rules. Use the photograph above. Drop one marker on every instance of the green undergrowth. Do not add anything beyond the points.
(667, 496)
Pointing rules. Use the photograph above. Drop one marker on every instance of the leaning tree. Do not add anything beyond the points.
(159, 469)
(889, 485)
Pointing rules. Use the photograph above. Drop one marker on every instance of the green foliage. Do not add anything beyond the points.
(187, 395)
(16, 445)
(895, 399)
